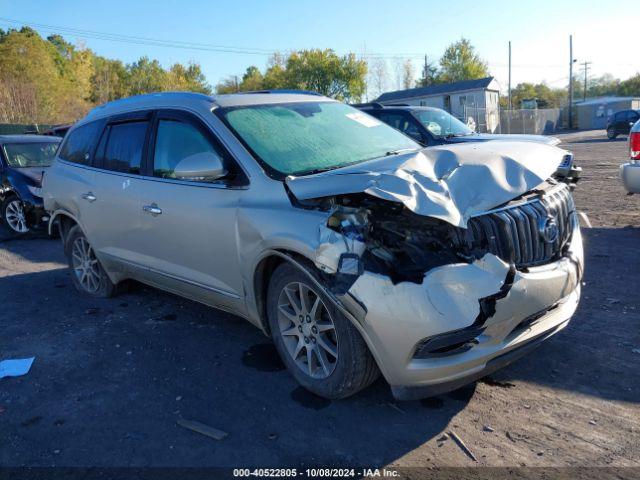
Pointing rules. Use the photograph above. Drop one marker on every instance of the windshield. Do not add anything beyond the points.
(39, 154)
(303, 138)
(441, 123)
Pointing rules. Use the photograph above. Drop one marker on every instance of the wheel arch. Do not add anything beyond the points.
(63, 221)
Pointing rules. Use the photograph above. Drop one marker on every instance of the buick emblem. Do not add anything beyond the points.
(548, 229)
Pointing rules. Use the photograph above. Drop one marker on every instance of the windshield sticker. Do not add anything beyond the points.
(363, 119)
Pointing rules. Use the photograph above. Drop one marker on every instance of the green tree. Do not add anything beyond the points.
(631, 86)
(275, 77)
(322, 71)
(461, 62)
(228, 85)
(146, 76)
(189, 79)
(252, 80)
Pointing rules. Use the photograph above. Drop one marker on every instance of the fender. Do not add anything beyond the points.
(62, 211)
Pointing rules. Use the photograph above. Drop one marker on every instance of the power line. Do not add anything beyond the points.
(136, 40)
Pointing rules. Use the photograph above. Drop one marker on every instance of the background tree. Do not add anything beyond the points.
(325, 72)
(252, 80)
(430, 75)
(461, 62)
(378, 77)
(408, 75)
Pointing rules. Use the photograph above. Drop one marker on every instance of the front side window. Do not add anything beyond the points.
(176, 141)
(124, 146)
(79, 143)
(21, 155)
(404, 123)
(441, 123)
(307, 137)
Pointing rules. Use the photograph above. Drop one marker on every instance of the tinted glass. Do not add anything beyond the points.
(123, 150)
(404, 123)
(441, 123)
(301, 138)
(633, 116)
(79, 144)
(176, 141)
(21, 155)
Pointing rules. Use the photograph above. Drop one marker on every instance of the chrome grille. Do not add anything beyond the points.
(516, 233)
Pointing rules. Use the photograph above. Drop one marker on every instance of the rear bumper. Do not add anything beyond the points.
(630, 174)
(398, 319)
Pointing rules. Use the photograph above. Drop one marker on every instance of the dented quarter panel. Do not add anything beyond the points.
(437, 181)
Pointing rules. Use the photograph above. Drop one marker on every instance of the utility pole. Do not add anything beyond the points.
(585, 66)
(571, 81)
(425, 73)
(509, 74)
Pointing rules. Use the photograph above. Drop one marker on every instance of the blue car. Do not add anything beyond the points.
(23, 161)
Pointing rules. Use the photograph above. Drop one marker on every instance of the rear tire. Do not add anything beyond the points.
(320, 347)
(611, 133)
(87, 275)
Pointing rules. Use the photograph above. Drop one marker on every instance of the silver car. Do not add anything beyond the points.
(630, 171)
(354, 248)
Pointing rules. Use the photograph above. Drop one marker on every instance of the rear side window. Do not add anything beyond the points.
(123, 147)
(176, 141)
(79, 144)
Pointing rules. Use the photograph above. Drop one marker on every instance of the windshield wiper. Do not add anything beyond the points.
(400, 150)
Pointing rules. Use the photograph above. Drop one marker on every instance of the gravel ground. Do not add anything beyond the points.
(112, 377)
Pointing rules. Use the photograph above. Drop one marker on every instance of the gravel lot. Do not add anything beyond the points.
(111, 377)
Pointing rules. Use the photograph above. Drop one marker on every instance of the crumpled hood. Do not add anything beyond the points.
(511, 137)
(449, 182)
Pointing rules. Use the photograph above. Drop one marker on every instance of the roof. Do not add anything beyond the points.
(200, 100)
(436, 89)
(601, 100)
(28, 139)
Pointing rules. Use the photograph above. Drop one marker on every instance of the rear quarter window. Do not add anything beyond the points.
(79, 143)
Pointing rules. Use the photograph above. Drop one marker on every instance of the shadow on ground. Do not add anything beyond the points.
(111, 377)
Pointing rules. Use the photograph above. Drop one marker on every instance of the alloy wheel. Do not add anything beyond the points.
(85, 265)
(307, 330)
(15, 217)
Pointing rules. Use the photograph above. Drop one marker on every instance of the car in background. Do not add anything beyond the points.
(58, 130)
(23, 161)
(356, 249)
(433, 126)
(630, 171)
(620, 123)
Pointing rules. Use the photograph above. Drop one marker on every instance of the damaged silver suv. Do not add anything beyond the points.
(354, 248)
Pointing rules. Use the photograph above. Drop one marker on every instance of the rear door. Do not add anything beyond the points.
(115, 219)
(189, 227)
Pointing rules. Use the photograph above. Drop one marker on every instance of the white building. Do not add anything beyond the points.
(477, 99)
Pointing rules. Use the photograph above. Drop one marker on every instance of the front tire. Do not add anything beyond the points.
(611, 133)
(319, 346)
(15, 220)
(87, 274)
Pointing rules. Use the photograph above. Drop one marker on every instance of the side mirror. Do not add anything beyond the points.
(200, 167)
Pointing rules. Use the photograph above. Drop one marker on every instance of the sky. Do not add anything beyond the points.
(244, 32)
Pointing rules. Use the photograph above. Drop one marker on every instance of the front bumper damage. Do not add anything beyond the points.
(451, 262)
(396, 319)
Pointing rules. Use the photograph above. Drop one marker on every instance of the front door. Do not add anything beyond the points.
(189, 227)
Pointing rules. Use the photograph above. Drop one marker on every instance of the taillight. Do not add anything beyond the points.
(634, 146)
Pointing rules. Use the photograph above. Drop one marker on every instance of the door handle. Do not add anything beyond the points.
(90, 197)
(153, 209)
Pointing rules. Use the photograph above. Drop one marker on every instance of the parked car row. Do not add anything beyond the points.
(356, 249)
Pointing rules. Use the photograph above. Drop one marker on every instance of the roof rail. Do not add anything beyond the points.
(284, 90)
